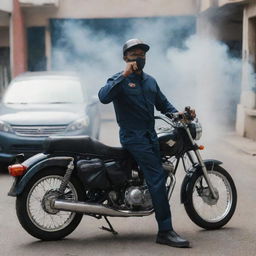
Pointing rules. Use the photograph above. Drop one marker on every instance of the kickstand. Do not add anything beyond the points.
(110, 229)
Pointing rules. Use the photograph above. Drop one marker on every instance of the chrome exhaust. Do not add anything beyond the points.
(92, 208)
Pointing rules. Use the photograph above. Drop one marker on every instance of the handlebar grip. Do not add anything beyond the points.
(169, 114)
(175, 115)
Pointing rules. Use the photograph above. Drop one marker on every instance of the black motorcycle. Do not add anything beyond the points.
(79, 175)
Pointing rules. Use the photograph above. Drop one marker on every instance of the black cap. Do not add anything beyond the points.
(135, 42)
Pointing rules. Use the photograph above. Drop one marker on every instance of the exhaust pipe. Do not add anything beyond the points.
(92, 208)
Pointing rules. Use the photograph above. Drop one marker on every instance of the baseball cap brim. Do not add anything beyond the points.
(135, 43)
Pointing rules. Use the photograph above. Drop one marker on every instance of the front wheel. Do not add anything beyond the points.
(33, 205)
(205, 211)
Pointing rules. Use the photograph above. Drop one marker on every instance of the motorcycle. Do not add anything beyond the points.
(78, 176)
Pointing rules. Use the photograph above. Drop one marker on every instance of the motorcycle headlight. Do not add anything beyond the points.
(4, 127)
(196, 130)
(79, 124)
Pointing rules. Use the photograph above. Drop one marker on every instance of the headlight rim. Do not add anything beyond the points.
(196, 130)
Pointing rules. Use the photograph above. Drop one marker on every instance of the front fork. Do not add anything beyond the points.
(206, 176)
(201, 162)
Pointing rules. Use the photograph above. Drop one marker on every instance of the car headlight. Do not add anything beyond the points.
(79, 124)
(4, 127)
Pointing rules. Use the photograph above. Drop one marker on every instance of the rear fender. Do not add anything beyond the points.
(33, 169)
(209, 163)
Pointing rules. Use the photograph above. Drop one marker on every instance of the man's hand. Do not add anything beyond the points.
(193, 113)
(188, 113)
(130, 68)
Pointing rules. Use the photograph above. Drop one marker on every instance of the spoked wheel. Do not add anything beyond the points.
(34, 209)
(204, 210)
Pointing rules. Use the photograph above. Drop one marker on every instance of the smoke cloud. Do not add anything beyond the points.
(190, 70)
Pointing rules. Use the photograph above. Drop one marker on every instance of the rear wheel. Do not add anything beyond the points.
(202, 208)
(34, 209)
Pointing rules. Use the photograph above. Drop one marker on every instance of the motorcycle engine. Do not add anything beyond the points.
(138, 197)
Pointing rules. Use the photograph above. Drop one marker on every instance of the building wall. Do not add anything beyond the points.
(6, 5)
(223, 2)
(38, 16)
(246, 110)
(205, 4)
(251, 9)
(229, 31)
(221, 31)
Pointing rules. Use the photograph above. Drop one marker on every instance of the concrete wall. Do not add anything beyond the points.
(249, 43)
(251, 9)
(213, 25)
(221, 31)
(229, 31)
(223, 2)
(38, 16)
(203, 5)
(6, 5)
(246, 111)
(39, 2)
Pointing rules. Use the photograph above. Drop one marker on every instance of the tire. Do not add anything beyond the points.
(29, 205)
(201, 197)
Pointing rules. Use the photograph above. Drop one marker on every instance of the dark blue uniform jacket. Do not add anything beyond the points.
(134, 99)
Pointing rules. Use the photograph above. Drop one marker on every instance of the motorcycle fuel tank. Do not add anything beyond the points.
(169, 143)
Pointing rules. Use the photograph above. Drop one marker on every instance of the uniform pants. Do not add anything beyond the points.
(148, 158)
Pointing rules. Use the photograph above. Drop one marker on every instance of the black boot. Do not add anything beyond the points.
(171, 238)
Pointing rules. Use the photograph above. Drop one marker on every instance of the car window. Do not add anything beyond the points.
(45, 91)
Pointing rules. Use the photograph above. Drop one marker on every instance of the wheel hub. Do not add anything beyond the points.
(207, 196)
(47, 201)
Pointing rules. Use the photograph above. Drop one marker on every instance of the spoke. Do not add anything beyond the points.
(36, 197)
(47, 221)
(51, 217)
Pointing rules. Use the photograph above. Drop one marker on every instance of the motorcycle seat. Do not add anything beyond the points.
(83, 145)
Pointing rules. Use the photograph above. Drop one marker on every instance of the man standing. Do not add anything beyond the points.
(135, 94)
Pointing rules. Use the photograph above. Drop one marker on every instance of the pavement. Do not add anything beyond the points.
(245, 145)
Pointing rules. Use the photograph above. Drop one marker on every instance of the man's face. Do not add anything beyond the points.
(133, 54)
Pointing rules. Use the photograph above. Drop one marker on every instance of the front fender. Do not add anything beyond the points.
(209, 163)
(19, 186)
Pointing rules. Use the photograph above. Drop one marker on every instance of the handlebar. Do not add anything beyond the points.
(178, 118)
(175, 116)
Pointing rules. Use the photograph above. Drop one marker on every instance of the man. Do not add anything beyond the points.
(135, 94)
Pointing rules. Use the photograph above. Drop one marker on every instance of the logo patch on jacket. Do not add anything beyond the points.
(132, 85)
